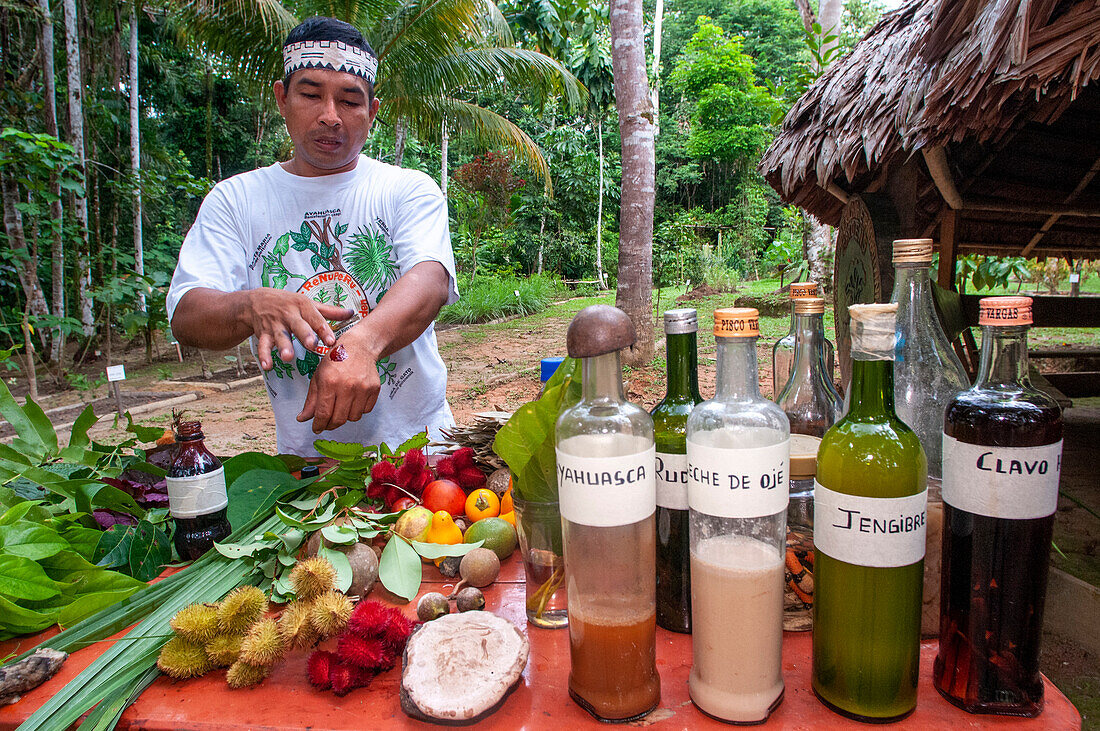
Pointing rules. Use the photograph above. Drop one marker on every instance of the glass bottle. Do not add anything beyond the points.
(869, 520)
(607, 494)
(808, 397)
(783, 350)
(670, 432)
(738, 447)
(1002, 461)
(196, 494)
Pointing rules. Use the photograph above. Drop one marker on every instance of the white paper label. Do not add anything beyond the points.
(748, 482)
(1018, 483)
(190, 497)
(605, 491)
(1074, 277)
(870, 531)
(672, 477)
(116, 373)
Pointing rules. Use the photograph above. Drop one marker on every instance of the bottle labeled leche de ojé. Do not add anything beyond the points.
(197, 498)
(1002, 450)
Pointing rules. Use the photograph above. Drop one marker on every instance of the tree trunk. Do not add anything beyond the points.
(57, 214)
(209, 88)
(135, 154)
(25, 258)
(655, 82)
(599, 210)
(443, 144)
(76, 133)
(635, 290)
(817, 241)
(829, 13)
(399, 133)
(542, 230)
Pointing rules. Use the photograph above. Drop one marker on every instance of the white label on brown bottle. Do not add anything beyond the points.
(605, 491)
(672, 477)
(748, 482)
(190, 497)
(1018, 483)
(880, 532)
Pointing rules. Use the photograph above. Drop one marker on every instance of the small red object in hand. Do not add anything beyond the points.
(338, 353)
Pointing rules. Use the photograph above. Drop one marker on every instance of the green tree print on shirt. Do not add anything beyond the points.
(370, 259)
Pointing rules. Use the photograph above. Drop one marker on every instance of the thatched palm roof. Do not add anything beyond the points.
(968, 81)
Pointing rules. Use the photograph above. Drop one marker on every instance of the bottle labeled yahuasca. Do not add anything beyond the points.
(783, 350)
(738, 447)
(607, 494)
(869, 532)
(197, 498)
(670, 432)
(1002, 451)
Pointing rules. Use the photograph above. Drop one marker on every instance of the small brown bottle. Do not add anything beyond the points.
(196, 494)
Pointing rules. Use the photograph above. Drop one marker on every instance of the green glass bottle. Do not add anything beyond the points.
(870, 503)
(670, 432)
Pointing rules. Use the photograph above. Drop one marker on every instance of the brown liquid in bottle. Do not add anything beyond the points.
(196, 534)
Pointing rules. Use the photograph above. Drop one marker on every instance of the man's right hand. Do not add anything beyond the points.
(274, 314)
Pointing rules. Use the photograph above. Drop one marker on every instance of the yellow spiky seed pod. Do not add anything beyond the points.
(329, 614)
(243, 675)
(182, 659)
(224, 649)
(312, 577)
(263, 645)
(196, 623)
(240, 609)
(295, 627)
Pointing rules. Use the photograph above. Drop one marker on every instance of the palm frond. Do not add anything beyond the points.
(249, 33)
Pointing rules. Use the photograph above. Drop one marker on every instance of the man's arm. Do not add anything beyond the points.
(344, 390)
(215, 320)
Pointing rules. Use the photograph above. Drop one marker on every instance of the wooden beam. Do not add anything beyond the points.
(1085, 180)
(837, 192)
(1047, 209)
(936, 160)
(946, 272)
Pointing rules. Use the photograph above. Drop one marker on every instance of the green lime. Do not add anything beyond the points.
(497, 534)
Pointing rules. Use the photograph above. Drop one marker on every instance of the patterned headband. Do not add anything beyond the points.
(334, 55)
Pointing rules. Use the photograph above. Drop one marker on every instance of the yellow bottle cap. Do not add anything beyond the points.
(737, 322)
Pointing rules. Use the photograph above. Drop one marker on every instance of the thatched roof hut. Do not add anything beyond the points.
(971, 121)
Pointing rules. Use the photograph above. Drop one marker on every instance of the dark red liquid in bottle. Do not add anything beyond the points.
(196, 534)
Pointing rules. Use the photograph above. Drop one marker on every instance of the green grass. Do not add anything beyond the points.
(488, 299)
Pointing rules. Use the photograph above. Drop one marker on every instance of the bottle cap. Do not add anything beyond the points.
(1004, 311)
(547, 368)
(803, 289)
(310, 470)
(737, 322)
(872, 327)
(682, 321)
(809, 306)
(598, 330)
(804, 456)
(912, 251)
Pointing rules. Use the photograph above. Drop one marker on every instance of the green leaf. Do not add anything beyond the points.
(31, 541)
(416, 441)
(79, 436)
(282, 245)
(340, 451)
(341, 228)
(240, 550)
(149, 552)
(246, 461)
(113, 549)
(340, 534)
(339, 562)
(143, 433)
(22, 621)
(21, 578)
(82, 540)
(256, 491)
(432, 551)
(89, 604)
(41, 424)
(28, 440)
(21, 510)
(400, 569)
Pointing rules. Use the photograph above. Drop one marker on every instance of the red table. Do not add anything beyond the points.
(286, 701)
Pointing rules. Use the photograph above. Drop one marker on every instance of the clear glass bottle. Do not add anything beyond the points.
(783, 349)
(808, 398)
(607, 494)
(738, 447)
(869, 521)
(1002, 461)
(670, 432)
(197, 498)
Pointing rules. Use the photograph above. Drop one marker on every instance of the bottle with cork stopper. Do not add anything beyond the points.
(784, 349)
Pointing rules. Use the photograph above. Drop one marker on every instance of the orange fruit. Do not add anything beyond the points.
(443, 530)
(510, 516)
(482, 503)
(506, 505)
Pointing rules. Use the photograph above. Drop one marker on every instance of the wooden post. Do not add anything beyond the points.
(946, 274)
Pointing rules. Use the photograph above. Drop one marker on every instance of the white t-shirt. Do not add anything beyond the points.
(342, 239)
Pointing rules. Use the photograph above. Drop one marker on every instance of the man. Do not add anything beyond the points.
(330, 238)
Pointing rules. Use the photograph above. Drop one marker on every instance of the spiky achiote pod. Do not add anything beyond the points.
(294, 625)
(312, 577)
(196, 623)
(329, 613)
(182, 659)
(317, 669)
(240, 609)
(243, 675)
(224, 649)
(263, 645)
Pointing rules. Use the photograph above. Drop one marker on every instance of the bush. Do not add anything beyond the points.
(486, 299)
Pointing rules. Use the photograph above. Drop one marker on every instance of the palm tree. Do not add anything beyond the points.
(432, 55)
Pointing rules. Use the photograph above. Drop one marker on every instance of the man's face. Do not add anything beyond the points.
(328, 117)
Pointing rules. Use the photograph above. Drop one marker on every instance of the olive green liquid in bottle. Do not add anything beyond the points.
(670, 433)
(870, 505)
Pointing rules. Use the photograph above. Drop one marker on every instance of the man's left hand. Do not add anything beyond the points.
(342, 390)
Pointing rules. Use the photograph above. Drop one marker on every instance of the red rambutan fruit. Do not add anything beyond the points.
(318, 669)
(377, 490)
(471, 478)
(415, 458)
(365, 653)
(446, 469)
(346, 678)
(397, 631)
(463, 457)
(369, 618)
(384, 471)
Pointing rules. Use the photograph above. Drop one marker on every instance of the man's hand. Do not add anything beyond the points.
(343, 388)
(274, 315)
